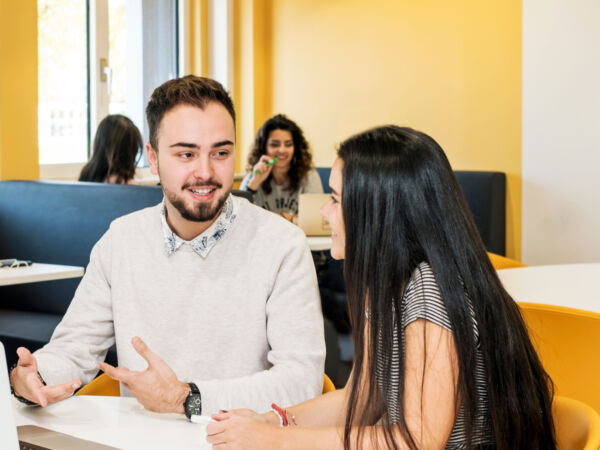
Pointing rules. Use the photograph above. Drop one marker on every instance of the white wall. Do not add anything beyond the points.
(561, 131)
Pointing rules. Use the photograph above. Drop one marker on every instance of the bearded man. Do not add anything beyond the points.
(212, 302)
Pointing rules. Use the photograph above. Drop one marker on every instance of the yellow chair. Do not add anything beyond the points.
(567, 342)
(328, 385)
(502, 262)
(577, 425)
(104, 385)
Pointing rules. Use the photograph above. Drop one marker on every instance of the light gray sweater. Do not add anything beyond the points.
(282, 200)
(244, 323)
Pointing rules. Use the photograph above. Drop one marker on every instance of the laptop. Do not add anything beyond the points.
(309, 216)
(31, 437)
(8, 431)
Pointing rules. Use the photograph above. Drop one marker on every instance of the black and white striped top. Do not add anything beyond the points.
(422, 300)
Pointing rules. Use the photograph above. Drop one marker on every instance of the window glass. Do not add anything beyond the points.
(62, 81)
(142, 55)
(159, 36)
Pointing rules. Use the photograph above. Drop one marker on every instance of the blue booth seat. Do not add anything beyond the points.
(55, 223)
(485, 193)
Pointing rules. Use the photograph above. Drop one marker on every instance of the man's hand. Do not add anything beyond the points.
(27, 384)
(156, 388)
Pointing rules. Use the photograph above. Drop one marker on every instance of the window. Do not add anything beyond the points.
(62, 81)
(97, 58)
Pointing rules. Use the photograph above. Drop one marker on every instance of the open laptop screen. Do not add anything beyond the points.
(8, 431)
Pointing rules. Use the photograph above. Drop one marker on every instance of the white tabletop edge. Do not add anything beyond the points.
(38, 272)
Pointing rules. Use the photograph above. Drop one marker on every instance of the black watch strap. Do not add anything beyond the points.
(193, 402)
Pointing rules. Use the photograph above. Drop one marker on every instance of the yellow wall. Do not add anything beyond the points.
(252, 71)
(450, 69)
(18, 90)
(198, 24)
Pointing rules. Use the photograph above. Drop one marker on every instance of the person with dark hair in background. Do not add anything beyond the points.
(276, 185)
(443, 358)
(117, 147)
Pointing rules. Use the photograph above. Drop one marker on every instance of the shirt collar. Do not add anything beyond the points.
(204, 242)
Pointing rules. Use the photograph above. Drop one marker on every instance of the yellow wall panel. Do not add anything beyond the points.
(252, 86)
(450, 69)
(198, 23)
(18, 90)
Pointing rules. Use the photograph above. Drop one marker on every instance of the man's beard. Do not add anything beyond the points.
(202, 212)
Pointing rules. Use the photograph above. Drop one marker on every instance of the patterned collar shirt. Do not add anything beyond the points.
(204, 242)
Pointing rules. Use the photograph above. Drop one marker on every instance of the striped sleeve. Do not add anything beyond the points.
(423, 300)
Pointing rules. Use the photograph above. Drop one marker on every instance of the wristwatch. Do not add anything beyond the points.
(193, 402)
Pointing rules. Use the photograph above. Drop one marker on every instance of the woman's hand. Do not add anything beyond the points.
(242, 429)
(263, 172)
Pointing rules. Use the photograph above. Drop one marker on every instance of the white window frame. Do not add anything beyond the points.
(183, 27)
(220, 42)
(99, 76)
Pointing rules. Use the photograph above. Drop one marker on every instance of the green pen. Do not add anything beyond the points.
(270, 163)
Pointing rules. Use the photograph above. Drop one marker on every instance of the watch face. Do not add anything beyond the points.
(193, 405)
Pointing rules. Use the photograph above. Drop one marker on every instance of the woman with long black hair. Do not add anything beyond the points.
(443, 359)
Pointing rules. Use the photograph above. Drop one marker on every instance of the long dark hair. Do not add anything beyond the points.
(402, 205)
(301, 161)
(117, 147)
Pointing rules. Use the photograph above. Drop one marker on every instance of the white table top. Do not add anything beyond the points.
(571, 285)
(115, 421)
(319, 243)
(38, 272)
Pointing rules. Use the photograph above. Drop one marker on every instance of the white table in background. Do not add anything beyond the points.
(115, 421)
(571, 285)
(38, 272)
(319, 243)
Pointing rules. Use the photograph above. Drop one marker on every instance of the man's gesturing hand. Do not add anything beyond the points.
(156, 388)
(26, 382)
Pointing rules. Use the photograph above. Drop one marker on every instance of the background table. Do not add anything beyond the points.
(571, 285)
(38, 272)
(116, 421)
(319, 243)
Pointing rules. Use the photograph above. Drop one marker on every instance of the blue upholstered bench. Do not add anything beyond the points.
(55, 223)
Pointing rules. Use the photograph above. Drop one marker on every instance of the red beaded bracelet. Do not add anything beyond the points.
(281, 413)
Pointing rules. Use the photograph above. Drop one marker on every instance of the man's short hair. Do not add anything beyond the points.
(188, 90)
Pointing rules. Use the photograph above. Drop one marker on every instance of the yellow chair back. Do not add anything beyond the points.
(104, 385)
(502, 262)
(567, 341)
(577, 425)
(328, 385)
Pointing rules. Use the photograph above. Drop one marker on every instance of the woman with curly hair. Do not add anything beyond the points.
(276, 185)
